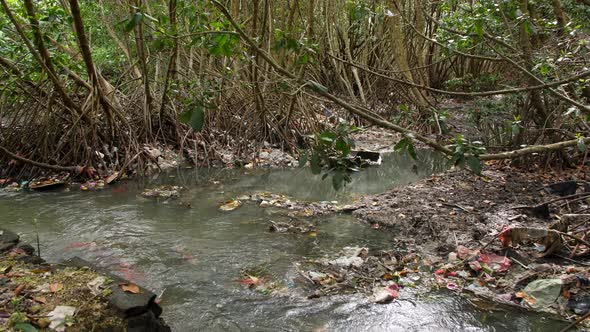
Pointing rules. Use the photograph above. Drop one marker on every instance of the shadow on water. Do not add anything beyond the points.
(195, 255)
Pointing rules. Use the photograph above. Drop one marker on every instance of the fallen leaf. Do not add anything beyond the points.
(19, 289)
(41, 270)
(96, 285)
(58, 317)
(497, 263)
(24, 327)
(230, 206)
(251, 281)
(40, 299)
(54, 288)
(6, 269)
(130, 288)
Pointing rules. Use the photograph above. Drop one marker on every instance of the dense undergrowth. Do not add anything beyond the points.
(86, 85)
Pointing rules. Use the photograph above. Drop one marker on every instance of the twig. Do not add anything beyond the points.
(456, 206)
(569, 327)
(519, 263)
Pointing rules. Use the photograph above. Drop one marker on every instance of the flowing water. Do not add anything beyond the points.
(194, 255)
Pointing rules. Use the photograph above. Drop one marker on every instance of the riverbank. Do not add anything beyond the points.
(70, 296)
(510, 237)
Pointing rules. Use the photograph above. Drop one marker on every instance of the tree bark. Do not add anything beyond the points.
(87, 57)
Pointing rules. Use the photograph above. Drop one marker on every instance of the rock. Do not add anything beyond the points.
(316, 276)
(385, 294)
(544, 291)
(563, 188)
(146, 322)
(8, 240)
(7, 236)
(27, 248)
(129, 304)
(580, 305)
(350, 258)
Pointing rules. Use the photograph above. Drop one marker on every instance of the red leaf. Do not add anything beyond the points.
(506, 236)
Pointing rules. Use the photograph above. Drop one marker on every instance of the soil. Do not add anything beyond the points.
(482, 236)
(457, 207)
(29, 292)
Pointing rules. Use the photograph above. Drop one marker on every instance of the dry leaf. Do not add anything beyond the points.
(230, 206)
(130, 288)
(54, 288)
(40, 299)
(19, 289)
(41, 270)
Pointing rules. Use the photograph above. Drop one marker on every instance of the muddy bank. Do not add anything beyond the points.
(508, 237)
(453, 207)
(70, 296)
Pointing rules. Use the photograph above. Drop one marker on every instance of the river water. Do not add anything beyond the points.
(194, 255)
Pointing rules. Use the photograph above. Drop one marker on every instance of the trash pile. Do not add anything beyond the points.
(505, 237)
(382, 277)
(533, 268)
(164, 192)
(297, 209)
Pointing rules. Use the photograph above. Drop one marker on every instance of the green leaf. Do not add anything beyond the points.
(133, 22)
(198, 118)
(185, 117)
(407, 145)
(194, 117)
(474, 163)
(316, 168)
(328, 137)
(411, 150)
(479, 28)
(401, 145)
(342, 146)
(303, 159)
(24, 327)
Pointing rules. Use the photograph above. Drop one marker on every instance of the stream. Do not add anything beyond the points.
(194, 255)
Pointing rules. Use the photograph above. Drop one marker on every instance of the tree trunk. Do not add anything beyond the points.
(87, 56)
(141, 54)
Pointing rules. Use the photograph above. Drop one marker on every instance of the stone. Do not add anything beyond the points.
(128, 304)
(7, 236)
(27, 248)
(146, 322)
(4, 247)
